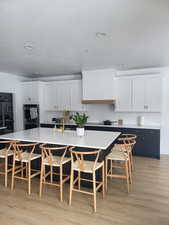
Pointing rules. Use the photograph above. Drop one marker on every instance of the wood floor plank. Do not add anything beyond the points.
(147, 204)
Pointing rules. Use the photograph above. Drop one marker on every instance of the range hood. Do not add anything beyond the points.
(98, 86)
(105, 101)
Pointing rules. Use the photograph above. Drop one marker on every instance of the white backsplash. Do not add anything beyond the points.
(99, 113)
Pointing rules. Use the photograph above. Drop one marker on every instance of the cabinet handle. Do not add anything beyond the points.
(146, 107)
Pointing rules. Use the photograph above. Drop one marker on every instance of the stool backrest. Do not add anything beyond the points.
(79, 156)
(128, 139)
(48, 152)
(125, 146)
(8, 144)
(19, 148)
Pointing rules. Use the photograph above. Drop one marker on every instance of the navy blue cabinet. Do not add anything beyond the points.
(148, 140)
(147, 144)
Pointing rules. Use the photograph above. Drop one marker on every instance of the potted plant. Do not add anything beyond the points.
(80, 120)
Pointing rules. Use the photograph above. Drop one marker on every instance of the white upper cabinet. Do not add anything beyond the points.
(98, 85)
(31, 92)
(139, 94)
(76, 96)
(64, 95)
(153, 94)
(147, 94)
(34, 93)
(123, 96)
(51, 96)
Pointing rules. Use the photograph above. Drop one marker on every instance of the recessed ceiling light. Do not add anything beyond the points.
(28, 46)
(86, 50)
(100, 34)
(120, 66)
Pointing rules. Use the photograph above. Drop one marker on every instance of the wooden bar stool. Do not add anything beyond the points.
(129, 139)
(25, 154)
(79, 164)
(6, 152)
(51, 160)
(119, 159)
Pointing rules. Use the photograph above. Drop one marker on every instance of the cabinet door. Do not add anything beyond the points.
(123, 90)
(63, 96)
(138, 95)
(58, 96)
(51, 97)
(153, 92)
(30, 93)
(76, 96)
(98, 85)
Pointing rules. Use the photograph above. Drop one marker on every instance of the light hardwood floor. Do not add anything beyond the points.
(147, 204)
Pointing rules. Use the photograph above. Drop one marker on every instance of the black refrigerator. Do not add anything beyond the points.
(6, 112)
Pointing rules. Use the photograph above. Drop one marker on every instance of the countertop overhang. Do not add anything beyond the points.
(134, 126)
(91, 139)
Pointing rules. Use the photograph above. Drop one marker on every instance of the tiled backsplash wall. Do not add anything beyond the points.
(99, 113)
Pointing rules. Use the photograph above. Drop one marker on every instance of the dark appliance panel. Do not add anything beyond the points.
(31, 116)
(6, 112)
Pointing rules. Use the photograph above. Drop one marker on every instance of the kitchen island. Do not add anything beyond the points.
(148, 137)
(91, 140)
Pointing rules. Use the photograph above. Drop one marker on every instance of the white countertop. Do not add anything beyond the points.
(156, 127)
(126, 126)
(91, 139)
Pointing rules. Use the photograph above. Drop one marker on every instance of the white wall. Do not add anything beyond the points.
(11, 83)
(98, 113)
(165, 115)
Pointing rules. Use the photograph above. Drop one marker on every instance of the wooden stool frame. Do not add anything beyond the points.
(125, 166)
(77, 156)
(129, 139)
(47, 154)
(5, 164)
(18, 151)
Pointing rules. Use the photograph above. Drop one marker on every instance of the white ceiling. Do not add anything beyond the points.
(54, 37)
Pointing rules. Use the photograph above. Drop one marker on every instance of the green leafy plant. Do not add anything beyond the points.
(80, 119)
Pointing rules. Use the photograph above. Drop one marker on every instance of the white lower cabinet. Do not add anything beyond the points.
(139, 94)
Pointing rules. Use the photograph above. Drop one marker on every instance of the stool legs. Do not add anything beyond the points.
(130, 171)
(94, 190)
(13, 173)
(103, 180)
(71, 186)
(106, 171)
(131, 160)
(29, 178)
(41, 179)
(6, 171)
(61, 184)
(51, 174)
(79, 180)
(127, 176)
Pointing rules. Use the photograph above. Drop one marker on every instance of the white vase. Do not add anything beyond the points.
(80, 131)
